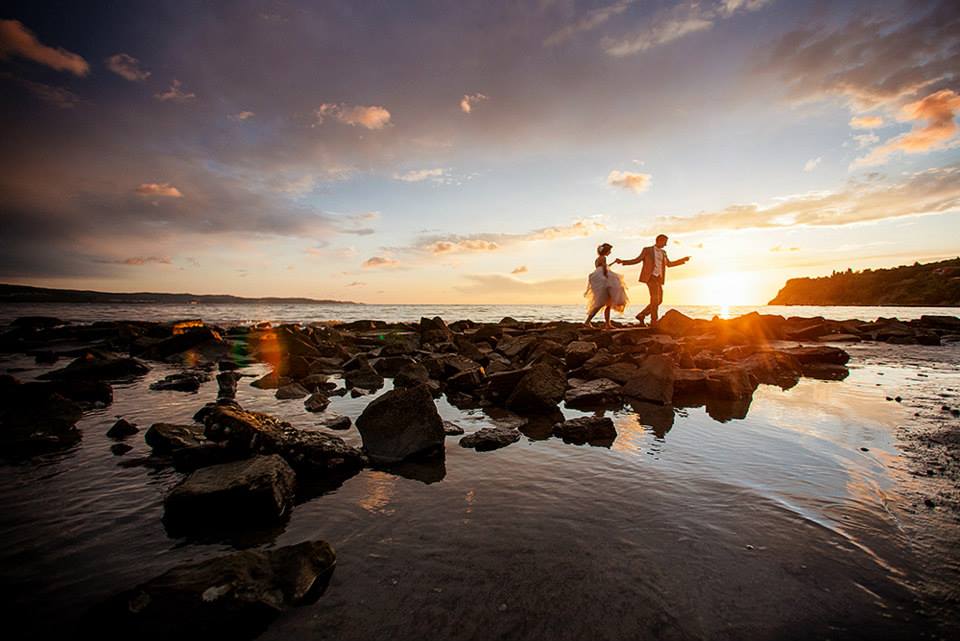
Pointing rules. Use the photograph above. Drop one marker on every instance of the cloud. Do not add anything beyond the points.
(372, 117)
(377, 262)
(356, 283)
(811, 164)
(865, 140)
(17, 40)
(675, 23)
(469, 100)
(637, 183)
(937, 113)
(361, 231)
(140, 260)
(241, 116)
(780, 248)
(453, 244)
(159, 189)
(591, 20)
(522, 269)
(56, 96)
(934, 191)
(126, 66)
(175, 93)
(866, 122)
(356, 224)
(419, 175)
(870, 61)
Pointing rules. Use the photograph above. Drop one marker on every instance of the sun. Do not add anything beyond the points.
(726, 289)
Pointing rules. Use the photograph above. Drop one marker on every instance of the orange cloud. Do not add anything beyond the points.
(175, 93)
(372, 117)
(469, 100)
(937, 111)
(866, 122)
(522, 269)
(16, 39)
(637, 183)
(377, 262)
(127, 67)
(469, 245)
(159, 189)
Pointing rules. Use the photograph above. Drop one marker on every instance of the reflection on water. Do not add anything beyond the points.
(714, 521)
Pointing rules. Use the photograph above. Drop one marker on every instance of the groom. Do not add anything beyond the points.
(653, 273)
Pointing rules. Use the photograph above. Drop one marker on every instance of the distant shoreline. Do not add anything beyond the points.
(28, 294)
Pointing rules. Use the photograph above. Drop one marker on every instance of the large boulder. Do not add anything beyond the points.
(540, 390)
(202, 339)
(164, 438)
(818, 354)
(249, 491)
(598, 430)
(411, 375)
(491, 438)
(434, 330)
(653, 382)
(229, 597)
(399, 424)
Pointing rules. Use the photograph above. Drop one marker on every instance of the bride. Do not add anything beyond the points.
(604, 289)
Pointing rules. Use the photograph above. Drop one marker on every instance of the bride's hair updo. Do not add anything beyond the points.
(604, 248)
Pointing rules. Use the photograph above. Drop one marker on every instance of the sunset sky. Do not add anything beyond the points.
(473, 152)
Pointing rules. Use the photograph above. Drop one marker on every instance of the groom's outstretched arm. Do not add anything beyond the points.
(632, 261)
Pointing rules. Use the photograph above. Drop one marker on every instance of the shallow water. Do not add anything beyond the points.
(246, 314)
(776, 525)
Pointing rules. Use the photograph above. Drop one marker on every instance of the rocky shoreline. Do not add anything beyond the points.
(242, 467)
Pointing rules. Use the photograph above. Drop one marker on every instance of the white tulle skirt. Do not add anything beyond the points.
(606, 290)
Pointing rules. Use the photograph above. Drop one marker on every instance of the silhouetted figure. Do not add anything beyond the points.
(653, 273)
(605, 288)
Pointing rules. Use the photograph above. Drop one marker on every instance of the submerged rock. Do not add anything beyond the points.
(229, 597)
(400, 423)
(250, 491)
(491, 438)
(122, 428)
(181, 382)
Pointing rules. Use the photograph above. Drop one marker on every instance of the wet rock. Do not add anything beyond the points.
(122, 429)
(364, 377)
(773, 368)
(337, 423)
(579, 352)
(516, 347)
(291, 391)
(675, 323)
(389, 366)
(99, 366)
(235, 596)
(540, 390)
(951, 323)
(241, 429)
(411, 375)
(119, 449)
(839, 338)
(37, 322)
(452, 429)
(180, 382)
(491, 438)
(807, 331)
(37, 424)
(587, 429)
(599, 391)
(466, 381)
(255, 490)
(653, 381)
(86, 393)
(826, 371)
(227, 384)
(818, 354)
(203, 339)
(228, 366)
(501, 385)
(399, 424)
(318, 455)
(730, 383)
(164, 438)
(317, 402)
(317, 383)
(689, 382)
(271, 381)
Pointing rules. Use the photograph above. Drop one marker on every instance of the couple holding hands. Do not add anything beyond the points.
(608, 290)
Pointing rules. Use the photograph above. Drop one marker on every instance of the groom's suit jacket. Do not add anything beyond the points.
(646, 270)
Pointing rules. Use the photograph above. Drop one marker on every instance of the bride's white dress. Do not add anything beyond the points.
(606, 289)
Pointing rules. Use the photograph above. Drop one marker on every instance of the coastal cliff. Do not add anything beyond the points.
(930, 284)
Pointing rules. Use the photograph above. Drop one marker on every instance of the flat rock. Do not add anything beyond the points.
(399, 424)
(254, 490)
(317, 402)
(291, 391)
(491, 438)
(598, 391)
(818, 354)
(164, 438)
(235, 596)
(587, 429)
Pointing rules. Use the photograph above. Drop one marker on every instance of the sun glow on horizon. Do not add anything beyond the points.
(726, 289)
